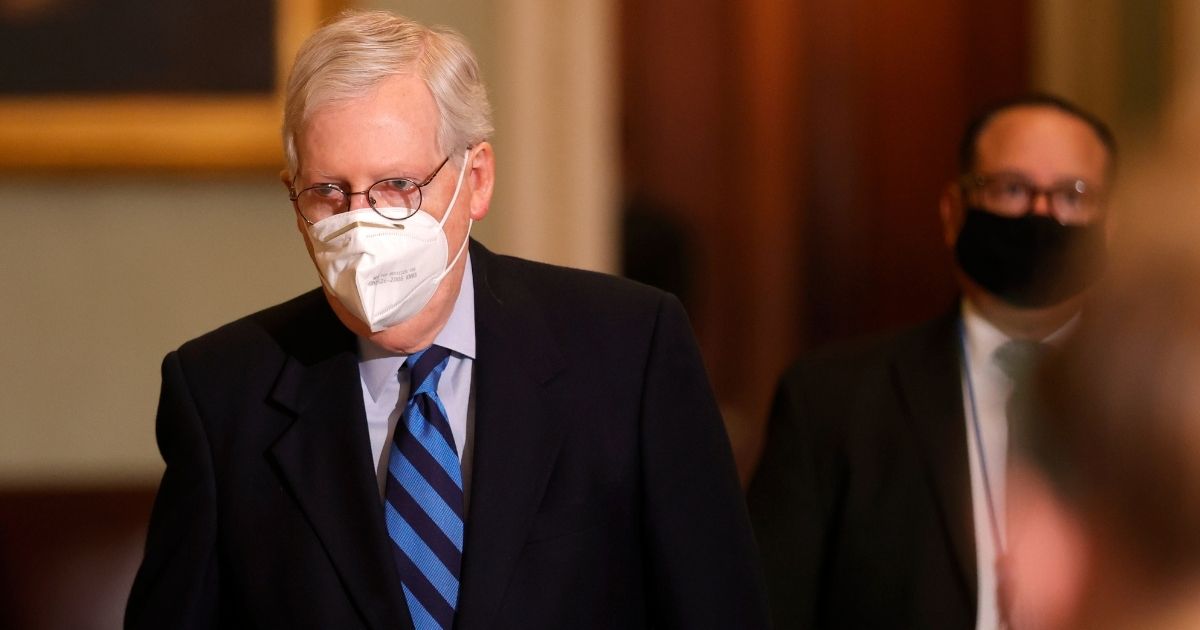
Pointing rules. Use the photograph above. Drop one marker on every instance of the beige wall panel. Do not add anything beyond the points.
(102, 276)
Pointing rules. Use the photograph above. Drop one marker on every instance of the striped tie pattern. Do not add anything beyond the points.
(424, 498)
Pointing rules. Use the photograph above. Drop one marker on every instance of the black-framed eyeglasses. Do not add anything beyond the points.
(1009, 194)
(395, 198)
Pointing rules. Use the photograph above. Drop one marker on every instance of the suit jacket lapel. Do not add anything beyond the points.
(324, 459)
(929, 380)
(517, 434)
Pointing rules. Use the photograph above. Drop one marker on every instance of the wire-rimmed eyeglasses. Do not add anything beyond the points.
(395, 198)
(1010, 194)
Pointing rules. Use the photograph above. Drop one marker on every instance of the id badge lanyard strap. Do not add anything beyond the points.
(983, 464)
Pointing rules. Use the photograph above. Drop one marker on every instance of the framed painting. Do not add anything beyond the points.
(147, 84)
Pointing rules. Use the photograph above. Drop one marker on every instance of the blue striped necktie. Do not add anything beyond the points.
(424, 497)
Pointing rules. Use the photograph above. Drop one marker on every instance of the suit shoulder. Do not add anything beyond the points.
(864, 354)
(592, 290)
(588, 318)
(262, 335)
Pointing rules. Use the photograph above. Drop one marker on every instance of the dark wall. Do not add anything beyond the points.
(801, 147)
(68, 555)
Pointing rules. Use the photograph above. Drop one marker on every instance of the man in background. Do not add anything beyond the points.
(879, 500)
(440, 436)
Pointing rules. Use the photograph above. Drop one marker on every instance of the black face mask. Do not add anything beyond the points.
(1029, 261)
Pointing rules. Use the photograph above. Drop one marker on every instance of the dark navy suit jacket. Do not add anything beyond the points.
(862, 499)
(603, 491)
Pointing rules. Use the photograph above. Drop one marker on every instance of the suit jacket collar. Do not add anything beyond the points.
(323, 458)
(928, 377)
(517, 431)
(323, 454)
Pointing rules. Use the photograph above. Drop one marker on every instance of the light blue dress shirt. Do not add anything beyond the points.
(385, 384)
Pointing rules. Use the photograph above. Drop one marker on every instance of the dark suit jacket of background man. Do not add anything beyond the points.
(862, 501)
(603, 492)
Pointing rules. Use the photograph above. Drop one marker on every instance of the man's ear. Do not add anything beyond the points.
(950, 207)
(286, 178)
(481, 172)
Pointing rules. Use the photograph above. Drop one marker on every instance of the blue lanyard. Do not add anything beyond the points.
(987, 485)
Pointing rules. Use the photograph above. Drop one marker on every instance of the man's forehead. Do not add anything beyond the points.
(393, 125)
(1042, 139)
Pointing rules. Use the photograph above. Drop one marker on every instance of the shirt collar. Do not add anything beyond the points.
(377, 365)
(983, 337)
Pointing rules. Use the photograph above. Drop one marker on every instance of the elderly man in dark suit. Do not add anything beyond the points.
(440, 436)
(879, 500)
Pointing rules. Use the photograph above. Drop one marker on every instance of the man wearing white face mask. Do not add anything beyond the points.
(439, 436)
(385, 262)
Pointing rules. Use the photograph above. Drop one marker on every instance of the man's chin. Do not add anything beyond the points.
(405, 337)
(412, 334)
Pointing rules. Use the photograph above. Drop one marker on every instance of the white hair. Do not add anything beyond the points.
(351, 55)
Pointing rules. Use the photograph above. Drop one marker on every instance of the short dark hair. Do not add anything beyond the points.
(967, 147)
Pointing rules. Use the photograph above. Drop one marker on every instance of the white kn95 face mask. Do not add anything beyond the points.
(384, 271)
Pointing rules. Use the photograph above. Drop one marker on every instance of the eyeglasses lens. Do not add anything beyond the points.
(395, 198)
(320, 202)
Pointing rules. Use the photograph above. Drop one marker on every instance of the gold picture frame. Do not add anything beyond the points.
(150, 131)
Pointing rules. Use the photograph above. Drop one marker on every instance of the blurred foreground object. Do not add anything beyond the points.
(1104, 494)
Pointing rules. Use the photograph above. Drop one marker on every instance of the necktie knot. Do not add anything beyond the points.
(1017, 358)
(425, 369)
